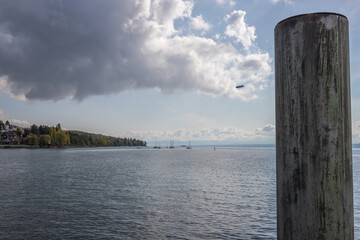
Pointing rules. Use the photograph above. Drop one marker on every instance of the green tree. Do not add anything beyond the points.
(7, 123)
(26, 132)
(32, 139)
(19, 132)
(58, 127)
(75, 140)
(44, 140)
(61, 139)
(93, 140)
(44, 129)
(35, 130)
(2, 125)
(101, 142)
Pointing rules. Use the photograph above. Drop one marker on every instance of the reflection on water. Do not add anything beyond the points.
(134, 194)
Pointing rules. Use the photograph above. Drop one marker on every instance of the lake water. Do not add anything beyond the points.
(117, 193)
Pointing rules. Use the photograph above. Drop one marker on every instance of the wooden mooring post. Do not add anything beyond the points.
(313, 128)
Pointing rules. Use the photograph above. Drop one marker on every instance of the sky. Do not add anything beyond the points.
(155, 70)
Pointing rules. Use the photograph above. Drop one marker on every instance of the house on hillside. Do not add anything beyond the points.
(9, 137)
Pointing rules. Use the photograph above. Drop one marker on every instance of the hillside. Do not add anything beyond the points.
(45, 136)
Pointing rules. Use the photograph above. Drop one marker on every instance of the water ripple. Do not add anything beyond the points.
(114, 193)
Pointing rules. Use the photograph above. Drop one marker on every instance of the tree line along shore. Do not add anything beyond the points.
(47, 137)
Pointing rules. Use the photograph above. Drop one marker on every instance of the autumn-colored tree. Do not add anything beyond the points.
(67, 138)
(53, 136)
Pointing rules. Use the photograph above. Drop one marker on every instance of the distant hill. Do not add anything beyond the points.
(85, 139)
(356, 145)
(45, 136)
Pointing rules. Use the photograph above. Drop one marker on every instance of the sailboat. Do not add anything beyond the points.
(172, 145)
(188, 147)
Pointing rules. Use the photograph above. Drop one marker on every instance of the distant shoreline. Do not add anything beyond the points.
(23, 146)
(20, 146)
(17, 146)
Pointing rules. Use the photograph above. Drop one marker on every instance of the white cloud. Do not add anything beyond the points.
(285, 1)
(268, 128)
(239, 29)
(198, 23)
(5, 116)
(5, 88)
(21, 123)
(106, 47)
(217, 134)
(223, 2)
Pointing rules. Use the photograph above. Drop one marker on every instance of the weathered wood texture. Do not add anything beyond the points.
(313, 128)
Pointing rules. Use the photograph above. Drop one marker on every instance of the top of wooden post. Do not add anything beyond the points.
(310, 15)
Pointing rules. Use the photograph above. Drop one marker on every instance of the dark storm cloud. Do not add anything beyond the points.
(53, 49)
(64, 48)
